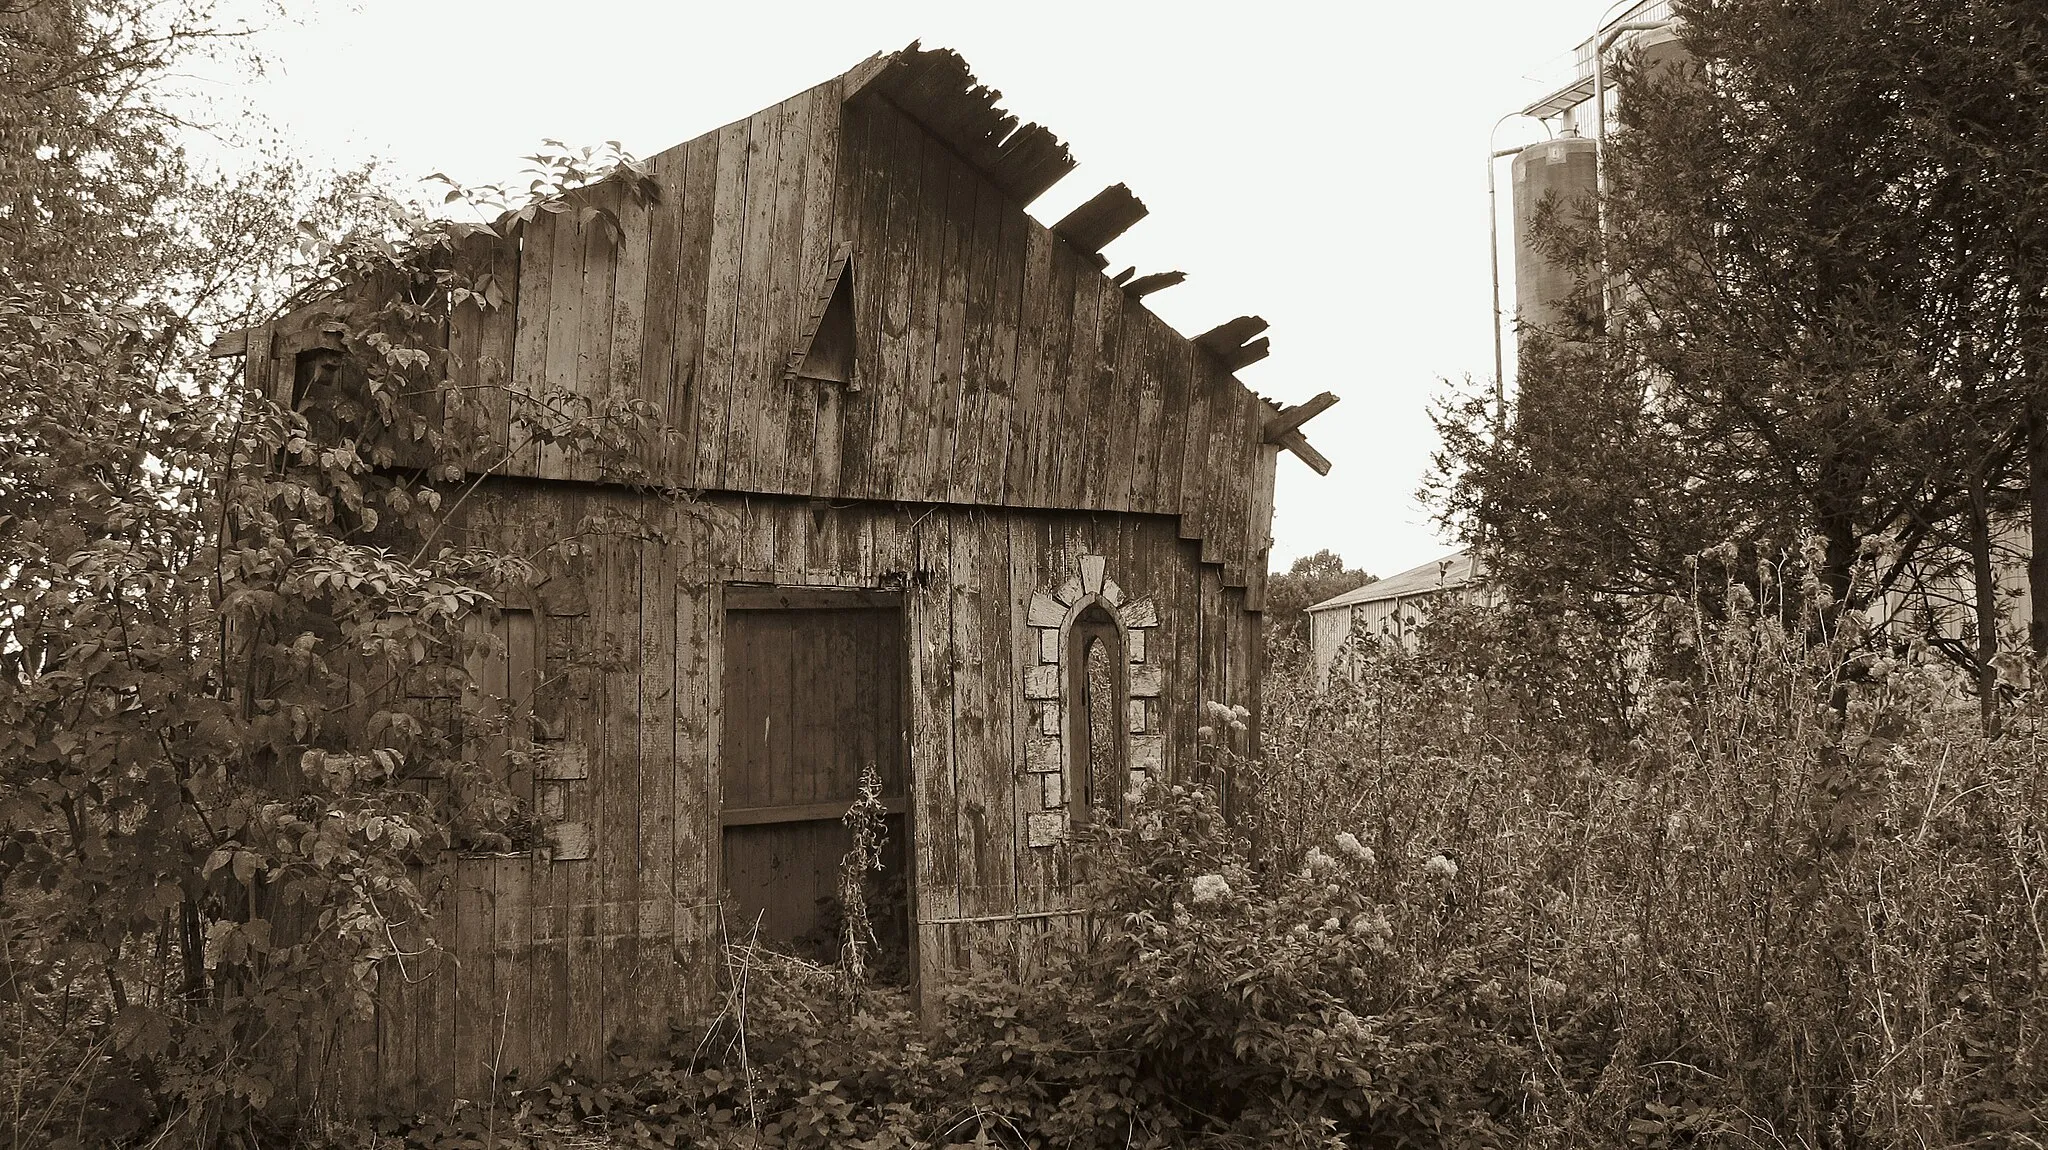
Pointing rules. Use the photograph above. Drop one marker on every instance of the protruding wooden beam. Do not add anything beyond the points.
(1123, 277)
(1316, 460)
(1247, 355)
(1103, 218)
(1232, 343)
(1147, 284)
(1232, 333)
(1289, 418)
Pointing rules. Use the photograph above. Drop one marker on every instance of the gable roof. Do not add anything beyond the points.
(995, 362)
(1444, 574)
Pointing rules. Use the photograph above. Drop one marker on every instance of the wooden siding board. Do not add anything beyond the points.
(1073, 378)
(748, 419)
(656, 806)
(655, 370)
(616, 833)
(1151, 422)
(1125, 427)
(593, 383)
(1194, 472)
(813, 449)
(975, 449)
(496, 349)
(398, 1009)
(1176, 410)
(1047, 418)
(474, 941)
(1259, 525)
(722, 323)
(928, 410)
(1242, 446)
(1006, 338)
(1029, 379)
(530, 341)
(690, 398)
(438, 1002)
(896, 398)
(786, 408)
(632, 267)
(558, 381)
(865, 200)
(984, 790)
(697, 803)
(934, 810)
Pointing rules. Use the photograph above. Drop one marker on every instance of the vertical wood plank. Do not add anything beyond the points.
(473, 943)
(656, 801)
(996, 422)
(616, 835)
(980, 382)
(592, 381)
(829, 219)
(398, 1020)
(747, 418)
(1101, 379)
(513, 1040)
(1075, 376)
(866, 197)
(926, 449)
(559, 381)
(655, 370)
(1163, 495)
(631, 268)
(529, 373)
(983, 737)
(1046, 309)
(806, 241)
(1259, 525)
(692, 331)
(696, 834)
(1197, 444)
(714, 380)
(1139, 485)
(438, 998)
(934, 811)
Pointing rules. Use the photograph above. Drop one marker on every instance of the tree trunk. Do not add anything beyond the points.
(1985, 584)
(2037, 515)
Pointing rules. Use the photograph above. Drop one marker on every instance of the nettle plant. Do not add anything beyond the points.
(235, 693)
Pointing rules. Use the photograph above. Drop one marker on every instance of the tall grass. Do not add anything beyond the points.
(1792, 899)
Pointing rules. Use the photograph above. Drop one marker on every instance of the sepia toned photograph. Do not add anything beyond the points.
(1126, 575)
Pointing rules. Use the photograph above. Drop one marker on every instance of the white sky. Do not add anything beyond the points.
(1319, 164)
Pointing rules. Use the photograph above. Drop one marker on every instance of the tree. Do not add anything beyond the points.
(1812, 327)
(1308, 581)
(235, 704)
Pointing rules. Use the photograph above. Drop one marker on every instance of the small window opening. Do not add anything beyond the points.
(826, 350)
(1096, 689)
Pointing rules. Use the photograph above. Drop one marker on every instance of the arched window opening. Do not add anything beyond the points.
(1097, 686)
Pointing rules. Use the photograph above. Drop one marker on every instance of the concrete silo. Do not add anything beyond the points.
(1550, 296)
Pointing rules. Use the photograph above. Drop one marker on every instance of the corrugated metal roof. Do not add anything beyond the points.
(1453, 570)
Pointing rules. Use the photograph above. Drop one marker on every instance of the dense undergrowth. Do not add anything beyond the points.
(1792, 899)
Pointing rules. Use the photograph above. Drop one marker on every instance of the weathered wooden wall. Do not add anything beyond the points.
(549, 958)
(998, 365)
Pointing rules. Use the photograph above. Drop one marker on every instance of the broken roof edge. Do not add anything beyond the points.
(937, 88)
(1445, 573)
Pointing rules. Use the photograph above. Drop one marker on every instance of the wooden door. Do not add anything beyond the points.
(814, 690)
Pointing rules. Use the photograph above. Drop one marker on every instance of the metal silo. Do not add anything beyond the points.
(1546, 297)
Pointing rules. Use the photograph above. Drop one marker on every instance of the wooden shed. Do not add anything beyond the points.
(961, 506)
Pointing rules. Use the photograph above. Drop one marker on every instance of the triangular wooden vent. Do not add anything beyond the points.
(826, 350)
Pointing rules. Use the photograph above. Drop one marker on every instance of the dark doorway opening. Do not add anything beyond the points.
(814, 690)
